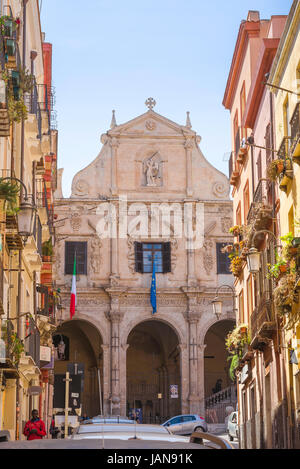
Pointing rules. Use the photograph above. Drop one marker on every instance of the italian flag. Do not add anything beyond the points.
(73, 301)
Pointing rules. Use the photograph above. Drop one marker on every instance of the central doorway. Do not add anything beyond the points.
(153, 372)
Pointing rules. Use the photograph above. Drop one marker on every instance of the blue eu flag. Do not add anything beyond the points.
(153, 289)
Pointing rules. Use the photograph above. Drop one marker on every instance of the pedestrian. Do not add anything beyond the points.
(35, 428)
(53, 429)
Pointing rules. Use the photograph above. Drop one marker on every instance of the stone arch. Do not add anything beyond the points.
(85, 358)
(209, 322)
(130, 325)
(153, 366)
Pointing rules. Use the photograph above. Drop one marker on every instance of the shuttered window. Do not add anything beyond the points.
(145, 253)
(223, 261)
(80, 247)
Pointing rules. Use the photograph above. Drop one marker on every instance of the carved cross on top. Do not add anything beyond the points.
(150, 103)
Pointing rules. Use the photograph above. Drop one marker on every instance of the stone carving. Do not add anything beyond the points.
(150, 103)
(151, 169)
(75, 221)
(226, 223)
(150, 125)
(220, 190)
(81, 188)
(96, 257)
(208, 260)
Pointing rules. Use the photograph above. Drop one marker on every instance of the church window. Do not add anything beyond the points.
(80, 248)
(145, 253)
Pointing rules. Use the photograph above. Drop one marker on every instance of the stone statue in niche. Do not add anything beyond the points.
(152, 171)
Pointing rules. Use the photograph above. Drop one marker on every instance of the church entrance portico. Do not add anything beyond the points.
(153, 371)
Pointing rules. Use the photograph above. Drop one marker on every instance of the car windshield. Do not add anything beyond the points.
(95, 428)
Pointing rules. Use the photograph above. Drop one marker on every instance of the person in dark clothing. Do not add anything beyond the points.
(53, 429)
(35, 428)
(218, 386)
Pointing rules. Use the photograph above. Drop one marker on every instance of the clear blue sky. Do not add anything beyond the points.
(113, 54)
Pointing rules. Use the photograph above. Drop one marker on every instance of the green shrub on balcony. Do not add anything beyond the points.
(8, 25)
(18, 82)
(284, 294)
(9, 191)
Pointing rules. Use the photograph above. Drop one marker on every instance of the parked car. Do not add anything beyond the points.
(108, 419)
(232, 426)
(122, 431)
(186, 424)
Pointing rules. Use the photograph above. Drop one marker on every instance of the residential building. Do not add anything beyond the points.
(259, 368)
(28, 151)
(148, 180)
(285, 78)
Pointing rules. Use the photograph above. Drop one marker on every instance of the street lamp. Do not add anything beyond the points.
(253, 256)
(26, 214)
(217, 303)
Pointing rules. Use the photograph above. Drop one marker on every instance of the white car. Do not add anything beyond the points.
(126, 431)
(232, 426)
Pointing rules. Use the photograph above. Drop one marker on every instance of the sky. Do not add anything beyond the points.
(114, 54)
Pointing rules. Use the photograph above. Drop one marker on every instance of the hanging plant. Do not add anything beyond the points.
(9, 191)
(235, 359)
(284, 293)
(236, 265)
(8, 25)
(275, 168)
(275, 270)
(236, 230)
(47, 248)
(237, 338)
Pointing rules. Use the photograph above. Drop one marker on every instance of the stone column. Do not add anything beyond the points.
(188, 145)
(114, 143)
(184, 374)
(123, 377)
(115, 317)
(201, 378)
(191, 277)
(106, 378)
(193, 364)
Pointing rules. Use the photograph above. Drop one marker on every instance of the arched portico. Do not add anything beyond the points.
(82, 345)
(153, 370)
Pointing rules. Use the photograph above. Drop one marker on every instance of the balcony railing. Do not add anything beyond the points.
(42, 201)
(37, 234)
(47, 303)
(262, 319)
(295, 127)
(262, 201)
(283, 151)
(215, 405)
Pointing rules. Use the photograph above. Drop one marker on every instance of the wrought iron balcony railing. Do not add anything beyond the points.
(262, 205)
(262, 320)
(295, 128)
(47, 302)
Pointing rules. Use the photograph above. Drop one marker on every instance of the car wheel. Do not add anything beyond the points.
(199, 429)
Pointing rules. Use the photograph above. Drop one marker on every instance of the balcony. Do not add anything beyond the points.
(215, 405)
(32, 341)
(234, 173)
(47, 307)
(263, 324)
(261, 209)
(42, 203)
(295, 134)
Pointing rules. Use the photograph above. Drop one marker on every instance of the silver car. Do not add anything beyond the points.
(108, 419)
(186, 424)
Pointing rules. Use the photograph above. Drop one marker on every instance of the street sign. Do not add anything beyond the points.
(74, 391)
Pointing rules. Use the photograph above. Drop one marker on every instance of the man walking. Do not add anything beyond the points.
(35, 428)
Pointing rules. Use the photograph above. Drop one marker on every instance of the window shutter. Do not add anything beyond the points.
(81, 257)
(223, 261)
(138, 251)
(166, 253)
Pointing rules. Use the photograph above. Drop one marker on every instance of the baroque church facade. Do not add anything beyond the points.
(129, 209)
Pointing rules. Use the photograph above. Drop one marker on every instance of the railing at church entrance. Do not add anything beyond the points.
(215, 405)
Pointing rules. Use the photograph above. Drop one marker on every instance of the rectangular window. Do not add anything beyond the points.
(242, 109)
(246, 201)
(238, 214)
(223, 261)
(259, 171)
(146, 253)
(80, 248)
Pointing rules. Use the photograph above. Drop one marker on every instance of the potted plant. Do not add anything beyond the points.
(275, 168)
(289, 251)
(284, 293)
(235, 230)
(47, 250)
(17, 82)
(236, 265)
(275, 270)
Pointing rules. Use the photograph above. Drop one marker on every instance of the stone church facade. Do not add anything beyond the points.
(114, 221)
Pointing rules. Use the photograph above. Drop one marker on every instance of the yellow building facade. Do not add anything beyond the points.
(285, 78)
(28, 147)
